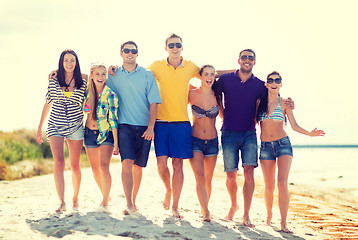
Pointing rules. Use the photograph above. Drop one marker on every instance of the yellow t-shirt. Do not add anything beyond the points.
(173, 87)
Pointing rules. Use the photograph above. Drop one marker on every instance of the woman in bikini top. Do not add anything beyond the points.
(276, 147)
(205, 109)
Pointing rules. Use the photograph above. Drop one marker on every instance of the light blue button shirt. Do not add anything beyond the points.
(136, 91)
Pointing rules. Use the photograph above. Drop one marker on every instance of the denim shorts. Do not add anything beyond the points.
(207, 147)
(236, 143)
(91, 138)
(132, 145)
(273, 150)
(77, 135)
(173, 139)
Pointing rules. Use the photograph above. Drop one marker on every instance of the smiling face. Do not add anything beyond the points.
(129, 58)
(69, 62)
(99, 75)
(273, 87)
(174, 52)
(245, 63)
(207, 77)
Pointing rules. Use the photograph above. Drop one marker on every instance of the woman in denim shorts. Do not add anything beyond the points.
(275, 145)
(64, 100)
(101, 106)
(205, 109)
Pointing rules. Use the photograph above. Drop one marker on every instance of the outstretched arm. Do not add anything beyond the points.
(314, 133)
(149, 133)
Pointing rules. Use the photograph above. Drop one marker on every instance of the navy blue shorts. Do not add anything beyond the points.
(91, 138)
(233, 144)
(132, 145)
(207, 147)
(275, 149)
(173, 139)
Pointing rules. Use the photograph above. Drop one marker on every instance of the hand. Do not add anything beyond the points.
(52, 75)
(115, 149)
(148, 134)
(39, 135)
(112, 69)
(316, 133)
(289, 103)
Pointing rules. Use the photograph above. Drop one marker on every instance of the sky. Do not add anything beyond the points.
(313, 44)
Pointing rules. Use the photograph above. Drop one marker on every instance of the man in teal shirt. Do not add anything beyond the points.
(139, 97)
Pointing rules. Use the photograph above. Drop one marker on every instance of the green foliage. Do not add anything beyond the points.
(20, 145)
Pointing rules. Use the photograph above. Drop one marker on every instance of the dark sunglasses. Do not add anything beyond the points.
(276, 80)
(245, 57)
(126, 51)
(171, 45)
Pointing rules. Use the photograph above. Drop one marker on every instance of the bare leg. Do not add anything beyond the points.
(93, 155)
(75, 147)
(127, 181)
(164, 174)
(177, 184)
(268, 170)
(209, 165)
(231, 186)
(56, 144)
(106, 179)
(283, 167)
(197, 164)
(137, 179)
(248, 191)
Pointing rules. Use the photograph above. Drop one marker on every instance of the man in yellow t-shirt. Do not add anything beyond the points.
(172, 131)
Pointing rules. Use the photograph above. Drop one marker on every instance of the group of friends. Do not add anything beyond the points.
(132, 106)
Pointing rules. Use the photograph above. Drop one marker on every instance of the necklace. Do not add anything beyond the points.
(67, 85)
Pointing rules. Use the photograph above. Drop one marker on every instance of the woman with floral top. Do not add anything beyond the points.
(101, 139)
(65, 96)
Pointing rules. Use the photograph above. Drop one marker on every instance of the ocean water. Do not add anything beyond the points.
(327, 167)
(322, 167)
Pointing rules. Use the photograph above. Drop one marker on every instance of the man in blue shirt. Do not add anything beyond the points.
(139, 97)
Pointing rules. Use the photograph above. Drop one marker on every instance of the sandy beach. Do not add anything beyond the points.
(27, 211)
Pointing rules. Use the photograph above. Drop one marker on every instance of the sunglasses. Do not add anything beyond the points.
(171, 45)
(126, 51)
(276, 80)
(245, 57)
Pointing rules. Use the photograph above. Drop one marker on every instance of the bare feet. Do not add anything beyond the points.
(167, 199)
(176, 213)
(285, 229)
(103, 209)
(75, 206)
(129, 210)
(207, 218)
(268, 220)
(62, 208)
(232, 211)
(246, 222)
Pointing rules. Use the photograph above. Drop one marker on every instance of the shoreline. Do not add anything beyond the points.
(27, 211)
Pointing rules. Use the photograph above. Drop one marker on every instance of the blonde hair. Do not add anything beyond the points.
(92, 90)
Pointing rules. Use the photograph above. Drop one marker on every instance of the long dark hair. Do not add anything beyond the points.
(76, 73)
(264, 99)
